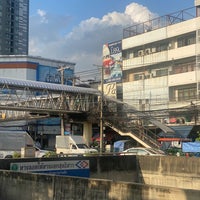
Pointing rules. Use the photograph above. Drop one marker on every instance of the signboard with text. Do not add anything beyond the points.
(78, 168)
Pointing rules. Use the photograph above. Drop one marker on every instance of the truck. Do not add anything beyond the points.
(12, 142)
(68, 144)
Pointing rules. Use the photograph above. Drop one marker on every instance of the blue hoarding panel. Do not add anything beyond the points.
(78, 172)
(192, 147)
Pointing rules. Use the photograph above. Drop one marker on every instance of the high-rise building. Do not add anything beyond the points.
(14, 27)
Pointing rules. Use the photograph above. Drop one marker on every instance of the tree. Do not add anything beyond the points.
(198, 137)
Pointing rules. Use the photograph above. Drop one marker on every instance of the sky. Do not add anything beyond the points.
(76, 30)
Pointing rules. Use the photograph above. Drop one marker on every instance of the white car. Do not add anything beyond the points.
(40, 153)
(142, 151)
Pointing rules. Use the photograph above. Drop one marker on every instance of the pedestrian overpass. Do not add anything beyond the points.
(24, 99)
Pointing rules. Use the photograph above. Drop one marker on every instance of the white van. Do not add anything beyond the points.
(72, 145)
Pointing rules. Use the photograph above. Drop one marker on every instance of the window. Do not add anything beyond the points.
(161, 47)
(186, 94)
(186, 40)
(162, 72)
(183, 68)
(77, 129)
(138, 77)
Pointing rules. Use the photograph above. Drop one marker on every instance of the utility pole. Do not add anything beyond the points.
(61, 70)
(101, 107)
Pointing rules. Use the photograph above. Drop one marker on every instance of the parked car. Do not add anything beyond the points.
(143, 151)
(40, 153)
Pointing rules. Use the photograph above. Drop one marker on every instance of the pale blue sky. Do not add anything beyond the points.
(75, 30)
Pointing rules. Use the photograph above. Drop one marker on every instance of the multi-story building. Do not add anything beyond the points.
(34, 68)
(14, 27)
(161, 66)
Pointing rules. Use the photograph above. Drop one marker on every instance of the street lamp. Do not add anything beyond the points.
(101, 107)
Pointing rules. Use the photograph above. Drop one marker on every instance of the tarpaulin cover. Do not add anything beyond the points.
(191, 147)
(119, 145)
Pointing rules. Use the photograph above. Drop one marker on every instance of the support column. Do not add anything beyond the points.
(87, 132)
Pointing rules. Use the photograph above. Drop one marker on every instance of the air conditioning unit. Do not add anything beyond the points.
(147, 51)
(169, 46)
(153, 73)
(140, 53)
(141, 77)
(153, 50)
(170, 68)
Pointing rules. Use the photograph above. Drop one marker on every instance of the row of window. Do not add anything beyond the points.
(186, 94)
(186, 40)
(158, 47)
(183, 68)
(176, 69)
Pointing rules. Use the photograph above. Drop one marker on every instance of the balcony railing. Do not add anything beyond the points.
(160, 22)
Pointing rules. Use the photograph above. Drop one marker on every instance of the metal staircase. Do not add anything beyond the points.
(128, 121)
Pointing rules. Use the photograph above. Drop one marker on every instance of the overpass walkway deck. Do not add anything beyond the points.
(23, 99)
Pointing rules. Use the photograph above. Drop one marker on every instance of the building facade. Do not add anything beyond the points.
(33, 68)
(36, 69)
(14, 27)
(161, 65)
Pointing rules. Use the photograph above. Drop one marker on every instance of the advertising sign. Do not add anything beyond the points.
(110, 89)
(52, 75)
(67, 130)
(78, 168)
(112, 62)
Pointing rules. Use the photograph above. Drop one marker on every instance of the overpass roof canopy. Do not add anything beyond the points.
(49, 86)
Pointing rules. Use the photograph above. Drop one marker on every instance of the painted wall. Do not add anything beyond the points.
(18, 70)
(154, 90)
(48, 187)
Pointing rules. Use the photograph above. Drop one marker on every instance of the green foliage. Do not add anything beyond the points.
(95, 144)
(50, 154)
(198, 137)
(173, 151)
(16, 155)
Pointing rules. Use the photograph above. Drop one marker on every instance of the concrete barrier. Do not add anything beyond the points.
(142, 177)
(117, 168)
(16, 185)
(170, 171)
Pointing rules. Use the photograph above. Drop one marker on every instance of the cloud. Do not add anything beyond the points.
(83, 45)
(42, 14)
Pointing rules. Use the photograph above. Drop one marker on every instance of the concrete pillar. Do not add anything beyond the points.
(197, 4)
(87, 132)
